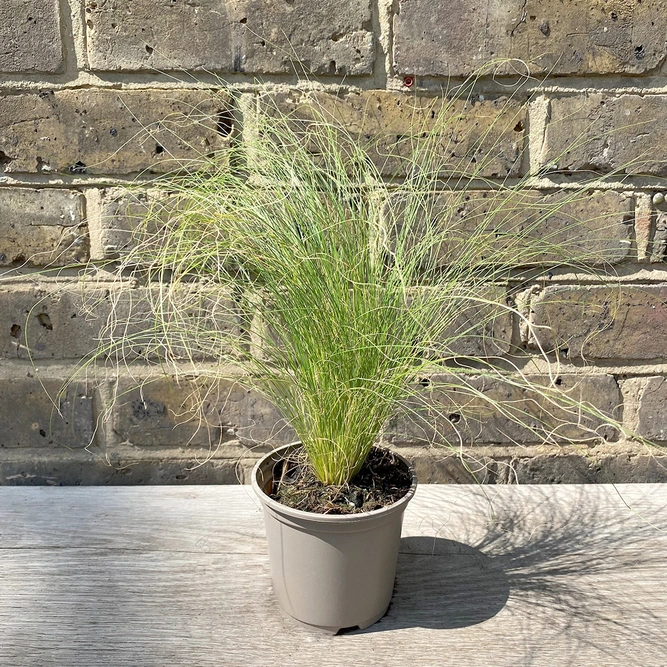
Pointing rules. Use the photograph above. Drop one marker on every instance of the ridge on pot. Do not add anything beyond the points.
(330, 571)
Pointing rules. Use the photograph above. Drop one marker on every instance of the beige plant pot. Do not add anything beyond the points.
(330, 571)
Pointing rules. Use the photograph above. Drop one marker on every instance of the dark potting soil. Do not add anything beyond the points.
(382, 480)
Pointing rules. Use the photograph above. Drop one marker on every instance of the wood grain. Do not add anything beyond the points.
(162, 576)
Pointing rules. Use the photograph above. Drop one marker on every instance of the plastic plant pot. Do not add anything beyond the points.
(330, 571)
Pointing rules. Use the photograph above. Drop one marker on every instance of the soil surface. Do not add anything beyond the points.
(382, 480)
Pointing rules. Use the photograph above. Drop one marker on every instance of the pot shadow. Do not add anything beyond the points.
(584, 575)
(443, 584)
(464, 586)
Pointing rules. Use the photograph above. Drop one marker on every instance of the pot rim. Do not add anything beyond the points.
(284, 510)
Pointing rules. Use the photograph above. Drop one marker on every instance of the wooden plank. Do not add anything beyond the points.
(119, 576)
(222, 519)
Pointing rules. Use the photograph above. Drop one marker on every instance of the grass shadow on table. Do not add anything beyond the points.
(578, 576)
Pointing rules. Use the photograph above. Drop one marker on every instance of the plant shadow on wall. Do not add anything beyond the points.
(348, 260)
(553, 567)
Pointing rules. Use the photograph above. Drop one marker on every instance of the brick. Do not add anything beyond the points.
(33, 414)
(480, 329)
(538, 227)
(436, 466)
(78, 468)
(163, 413)
(442, 414)
(121, 213)
(480, 137)
(658, 245)
(46, 322)
(72, 321)
(607, 468)
(30, 38)
(573, 37)
(42, 227)
(258, 36)
(123, 224)
(109, 131)
(651, 414)
(606, 134)
(600, 322)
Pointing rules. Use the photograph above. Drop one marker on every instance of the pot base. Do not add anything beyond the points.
(326, 630)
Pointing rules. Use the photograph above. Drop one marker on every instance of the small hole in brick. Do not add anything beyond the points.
(454, 418)
(78, 168)
(15, 331)
(559, 381)
(45, 321)
(244, 20)
(42, 432)
(519, 126)
(424, 382)
(159, 149)
(225, 122)
(332, 67)
(5, 160)
(149, 50)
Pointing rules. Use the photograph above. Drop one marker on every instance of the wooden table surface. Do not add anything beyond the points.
(170, 576)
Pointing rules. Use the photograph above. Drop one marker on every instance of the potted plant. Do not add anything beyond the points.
(355, 284)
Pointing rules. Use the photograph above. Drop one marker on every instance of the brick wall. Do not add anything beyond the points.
(96, 94)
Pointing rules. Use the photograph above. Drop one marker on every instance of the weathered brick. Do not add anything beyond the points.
(597, 468)
(42, 227)
(71, 321)
(231, 36)
(602, 322)
(121, 212)
(651, 414)
(439, 466)
(508, 227)
(481, 328)
(131, 217)
(456, 38)
(606, 134)
(61, 467)
(479, 137)
(30, 38)
(164, 413)
(110, 131)
(33, 414)
(42, 321)
(472, 416)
